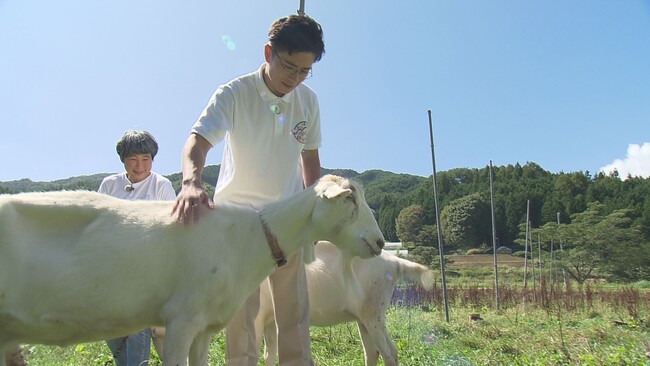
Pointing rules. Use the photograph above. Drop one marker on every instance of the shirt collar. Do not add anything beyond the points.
(264, 90)
(140, 183)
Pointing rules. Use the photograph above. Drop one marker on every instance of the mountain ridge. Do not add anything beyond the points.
(209, 177)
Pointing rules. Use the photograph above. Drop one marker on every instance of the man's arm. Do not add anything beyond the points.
(310, 167)
(192, 196)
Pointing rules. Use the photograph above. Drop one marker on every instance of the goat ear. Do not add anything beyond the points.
(334, 190)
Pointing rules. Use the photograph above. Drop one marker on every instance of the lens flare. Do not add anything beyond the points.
(230, 44)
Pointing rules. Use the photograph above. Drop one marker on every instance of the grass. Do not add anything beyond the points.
(596, 334)
(553, 325)
(510, 338)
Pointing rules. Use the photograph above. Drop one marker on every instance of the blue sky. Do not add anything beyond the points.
(564, 84)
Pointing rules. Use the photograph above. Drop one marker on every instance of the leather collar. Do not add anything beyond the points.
(276, 251)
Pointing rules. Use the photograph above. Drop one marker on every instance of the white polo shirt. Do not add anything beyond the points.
(264, 136)
(153, 188)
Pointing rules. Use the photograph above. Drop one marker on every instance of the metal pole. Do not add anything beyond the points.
(526, 245)
(552, 267)
(561, 249)
(494, 244)
(539, 258)
(440, 243)
(301, 10)
(532, 262)
(524, 294)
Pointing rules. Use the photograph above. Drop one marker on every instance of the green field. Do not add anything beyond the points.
(510, 337)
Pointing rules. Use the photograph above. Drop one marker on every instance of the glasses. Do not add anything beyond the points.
(291, 70)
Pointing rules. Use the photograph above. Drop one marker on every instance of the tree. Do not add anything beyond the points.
(386, 217)
(595, 243)
(427, 256)
(408, 224)
(466, 221)
(624, 256)
(428, 236)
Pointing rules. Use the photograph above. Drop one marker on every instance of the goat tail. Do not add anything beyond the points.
(414, 272)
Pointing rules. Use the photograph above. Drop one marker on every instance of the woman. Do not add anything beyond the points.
(137, 150)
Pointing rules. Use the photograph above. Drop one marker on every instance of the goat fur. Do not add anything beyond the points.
(82, 266)
(344, 289)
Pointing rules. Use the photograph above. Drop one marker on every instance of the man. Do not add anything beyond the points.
(270, 122)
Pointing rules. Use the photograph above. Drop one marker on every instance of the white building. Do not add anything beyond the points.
(395, 248)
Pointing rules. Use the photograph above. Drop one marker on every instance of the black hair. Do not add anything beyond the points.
(136, 142)
(297, 33)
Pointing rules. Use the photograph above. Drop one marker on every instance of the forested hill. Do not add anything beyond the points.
(378, 178)
(464, 199)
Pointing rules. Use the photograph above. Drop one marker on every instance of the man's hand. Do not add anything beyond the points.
(192, 196)
(189, 202)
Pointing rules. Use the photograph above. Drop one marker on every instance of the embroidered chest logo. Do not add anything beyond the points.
(300, 132)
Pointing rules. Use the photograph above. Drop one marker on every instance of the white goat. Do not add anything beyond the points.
(344, 289)
(82, 266)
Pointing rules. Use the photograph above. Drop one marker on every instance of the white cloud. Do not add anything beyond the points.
(636, 163)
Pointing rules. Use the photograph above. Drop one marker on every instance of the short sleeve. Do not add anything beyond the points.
(102, 187)
(314, 137)
(165, 190)
(217, 117)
